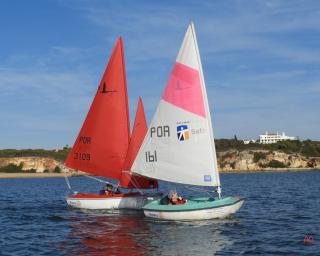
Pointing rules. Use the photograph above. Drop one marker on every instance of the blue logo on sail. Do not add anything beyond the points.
(183, 132)
(207, 178)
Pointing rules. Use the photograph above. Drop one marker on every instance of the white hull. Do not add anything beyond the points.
(203, 214)
(134, 202)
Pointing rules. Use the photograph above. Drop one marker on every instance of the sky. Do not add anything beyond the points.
(261, 62)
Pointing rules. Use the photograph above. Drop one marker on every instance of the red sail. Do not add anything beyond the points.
(128, 179)
(102, 143)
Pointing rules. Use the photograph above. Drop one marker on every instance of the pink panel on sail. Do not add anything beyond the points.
(184, 89)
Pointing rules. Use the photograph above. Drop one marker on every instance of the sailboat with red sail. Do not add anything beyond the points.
(104, 146)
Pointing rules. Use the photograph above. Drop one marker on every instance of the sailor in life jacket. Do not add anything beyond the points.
(108, 190)
(172, 198)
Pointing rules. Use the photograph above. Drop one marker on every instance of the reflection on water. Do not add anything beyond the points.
(187, 238)
(107, 233)
(130, 233)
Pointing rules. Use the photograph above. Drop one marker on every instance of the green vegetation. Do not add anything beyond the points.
(57, 169)
(59, 155)
(274, 164)
(312, 163)
(226, 144)
(226, 155)
(258, 156)
(12, 168)
(306, 148)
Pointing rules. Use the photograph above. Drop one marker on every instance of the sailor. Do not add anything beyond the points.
(172, 198)
(175, 199)
(107, 190)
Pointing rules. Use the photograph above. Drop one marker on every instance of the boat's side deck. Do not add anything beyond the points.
(98, 196)
(193, 204)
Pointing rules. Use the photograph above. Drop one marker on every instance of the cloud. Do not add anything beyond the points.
(42, 99)
(265, 37)
(261, 62)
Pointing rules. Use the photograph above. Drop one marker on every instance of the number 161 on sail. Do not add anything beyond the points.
(151, 157)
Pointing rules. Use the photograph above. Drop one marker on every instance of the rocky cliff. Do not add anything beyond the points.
(263, 160)
(38, 163)
(231, 160)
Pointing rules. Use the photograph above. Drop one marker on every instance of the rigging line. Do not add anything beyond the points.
(208, 192)
(134, 182)
(67, 181)
(100, 180)
(196, 188)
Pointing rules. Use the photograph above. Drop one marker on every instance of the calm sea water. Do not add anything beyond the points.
(280, 209)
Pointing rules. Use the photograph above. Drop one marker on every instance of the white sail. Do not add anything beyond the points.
(179, 145)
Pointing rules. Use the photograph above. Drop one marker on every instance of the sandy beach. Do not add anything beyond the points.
(35, 175)
(55, 175)
(275, 170)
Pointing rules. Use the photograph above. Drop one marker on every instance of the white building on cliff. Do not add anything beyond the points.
(269, 138)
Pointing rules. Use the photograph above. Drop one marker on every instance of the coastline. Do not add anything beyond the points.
(276, 170)
(4, 175)
(229, 161)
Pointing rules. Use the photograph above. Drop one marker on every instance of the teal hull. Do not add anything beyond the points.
(194, 209)
(193, 204)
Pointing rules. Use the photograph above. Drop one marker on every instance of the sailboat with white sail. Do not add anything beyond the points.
(179, 145)
(104, 146)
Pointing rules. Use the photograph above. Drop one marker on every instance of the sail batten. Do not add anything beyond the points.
(179, 145)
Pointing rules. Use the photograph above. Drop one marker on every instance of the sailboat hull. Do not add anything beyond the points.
(117, 201)
(194, 209)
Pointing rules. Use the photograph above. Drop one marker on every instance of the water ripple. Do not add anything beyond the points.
(280, 209)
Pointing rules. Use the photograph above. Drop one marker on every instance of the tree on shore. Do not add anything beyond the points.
(57, 169)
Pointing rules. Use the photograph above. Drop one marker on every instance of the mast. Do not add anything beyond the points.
(205, 98)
